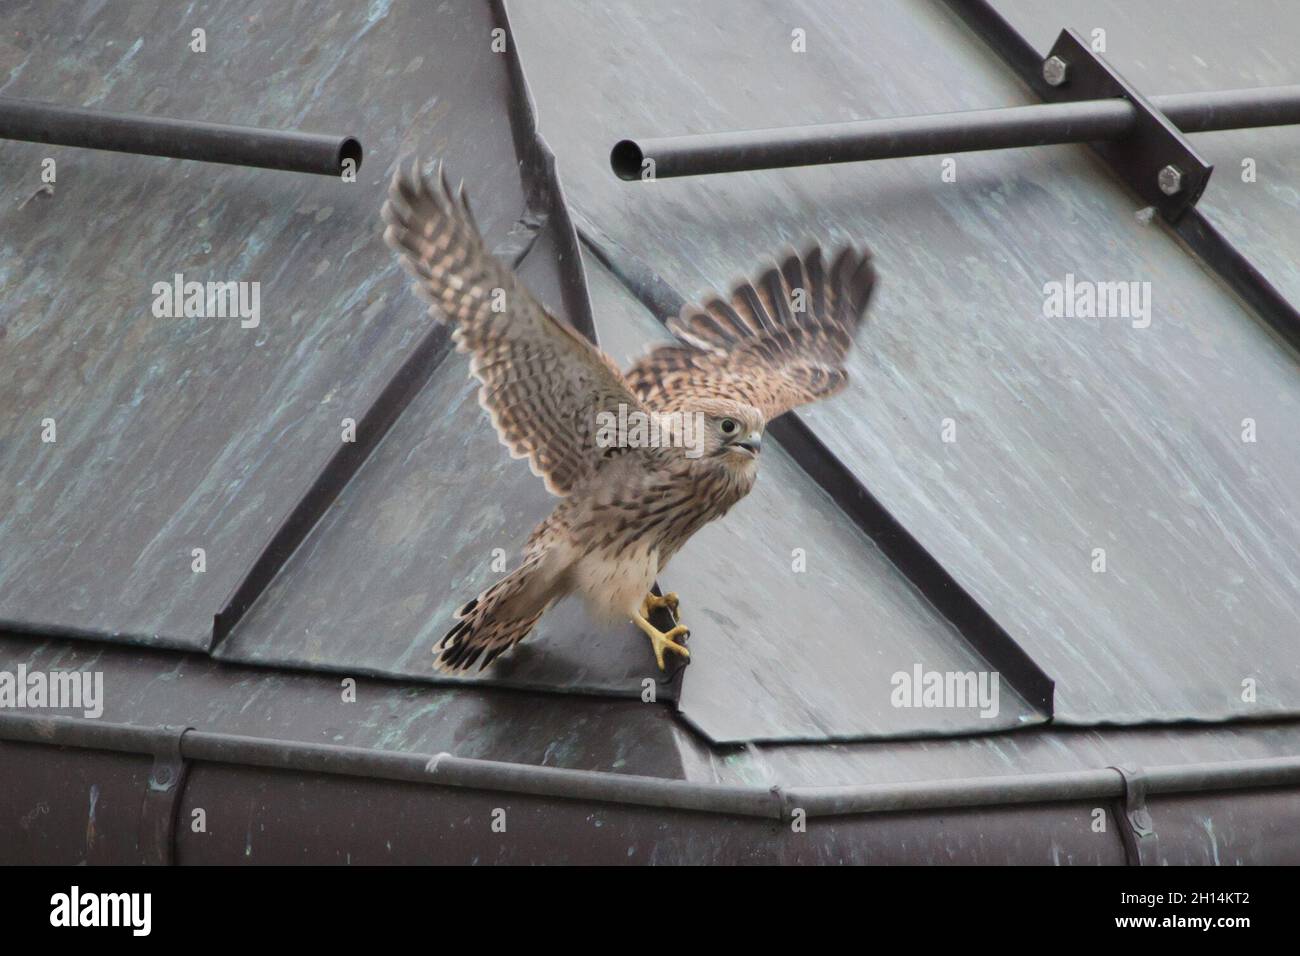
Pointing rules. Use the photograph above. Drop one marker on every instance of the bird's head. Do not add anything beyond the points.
(733, 431)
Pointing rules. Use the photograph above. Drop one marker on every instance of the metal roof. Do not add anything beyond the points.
(201, 434)
(328, 559)
(1070, 434)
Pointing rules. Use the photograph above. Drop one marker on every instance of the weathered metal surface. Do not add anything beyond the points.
(279, 817)
(183, 433)
(1068, 434)
(1261, 828)
(148, 688)
(798, 621)
(1163, 52)
(1041, 750)
(69, 806)
(259, 816)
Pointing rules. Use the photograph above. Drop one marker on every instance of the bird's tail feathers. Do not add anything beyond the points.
(495, 621)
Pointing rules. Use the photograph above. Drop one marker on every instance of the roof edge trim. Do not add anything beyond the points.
(773, 802)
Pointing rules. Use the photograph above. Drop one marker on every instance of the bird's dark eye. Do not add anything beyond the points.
(728, 426)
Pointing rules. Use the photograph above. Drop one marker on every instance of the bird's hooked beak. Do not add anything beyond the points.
(751, 444)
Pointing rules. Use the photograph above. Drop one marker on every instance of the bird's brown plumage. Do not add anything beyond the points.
(543, 383)
(776, 343)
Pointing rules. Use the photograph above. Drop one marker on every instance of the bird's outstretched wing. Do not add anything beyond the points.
(777, 343)
(543, 384)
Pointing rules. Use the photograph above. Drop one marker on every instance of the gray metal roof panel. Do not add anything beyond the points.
(183, 433)
(1072, 434)
(1034, 750)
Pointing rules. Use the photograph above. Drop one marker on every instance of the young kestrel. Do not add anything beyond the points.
(626, 507)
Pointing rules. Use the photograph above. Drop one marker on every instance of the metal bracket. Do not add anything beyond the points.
(167, 777)
(1155, 158)
(1138, 831)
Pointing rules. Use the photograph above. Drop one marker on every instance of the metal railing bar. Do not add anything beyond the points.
(37, 122)
(942, 133)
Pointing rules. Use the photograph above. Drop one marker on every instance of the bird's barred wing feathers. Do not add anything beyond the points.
(777, 343)
(543, 384)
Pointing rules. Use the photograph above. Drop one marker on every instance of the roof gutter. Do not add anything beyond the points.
(776, 802)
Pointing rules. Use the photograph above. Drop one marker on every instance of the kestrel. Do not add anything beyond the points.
(626, 506)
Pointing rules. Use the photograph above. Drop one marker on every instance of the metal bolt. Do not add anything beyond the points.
(1055, 71)
(1170, 180)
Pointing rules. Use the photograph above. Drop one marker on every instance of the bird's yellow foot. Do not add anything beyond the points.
(663, 640)
(654, 601)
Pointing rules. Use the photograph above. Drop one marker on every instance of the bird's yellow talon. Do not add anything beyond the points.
(654, 601)
(662, 641)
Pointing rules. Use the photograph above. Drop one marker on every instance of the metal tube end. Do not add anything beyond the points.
(350, 149)
(626, 159)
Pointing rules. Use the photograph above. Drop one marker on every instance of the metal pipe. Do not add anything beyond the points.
(450, 771)
(36, 122)
(895, 137)
(968, 792)
(772, 803)
(1231, 109)
(641, 791)
(1197, 777)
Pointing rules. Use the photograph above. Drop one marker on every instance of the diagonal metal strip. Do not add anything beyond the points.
(338, 471)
